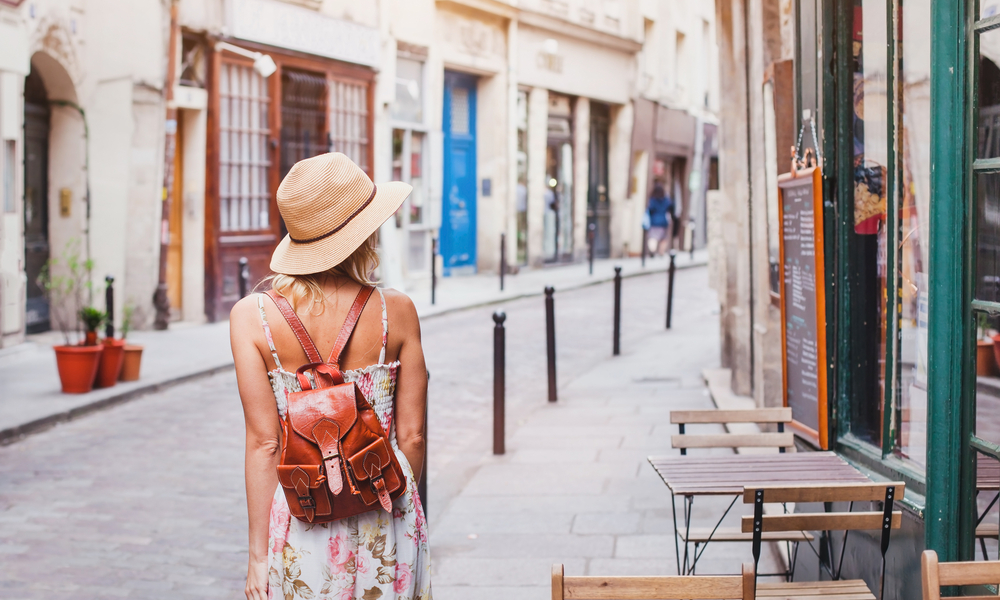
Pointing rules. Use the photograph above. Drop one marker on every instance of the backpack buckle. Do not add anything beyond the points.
(307, 502)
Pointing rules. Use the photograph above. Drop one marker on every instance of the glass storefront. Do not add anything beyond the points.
(557, 240)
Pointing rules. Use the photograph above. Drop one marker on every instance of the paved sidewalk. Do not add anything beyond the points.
(575, 487)
(30, 399)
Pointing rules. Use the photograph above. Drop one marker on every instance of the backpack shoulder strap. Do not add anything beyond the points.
(349, 323)
(297, 327)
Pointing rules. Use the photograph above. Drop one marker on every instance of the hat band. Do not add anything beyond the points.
(342, 225)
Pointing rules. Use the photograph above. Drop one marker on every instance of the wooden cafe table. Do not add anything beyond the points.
(727, 475)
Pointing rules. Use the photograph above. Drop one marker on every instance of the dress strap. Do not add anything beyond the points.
(267, 331)
(385, 327)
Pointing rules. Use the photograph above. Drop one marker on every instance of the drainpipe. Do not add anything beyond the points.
(160, 299)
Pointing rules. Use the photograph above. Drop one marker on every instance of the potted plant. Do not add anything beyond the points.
(111, 361)
(64, 282)
(986, 359)
(132, 352)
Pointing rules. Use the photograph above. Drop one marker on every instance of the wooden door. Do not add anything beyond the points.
(241, 215)
(175, 265)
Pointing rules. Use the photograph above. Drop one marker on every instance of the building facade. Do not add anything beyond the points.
(81, 122)
(898, 101)
(545, 122)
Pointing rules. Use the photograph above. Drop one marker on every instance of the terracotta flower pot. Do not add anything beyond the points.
(996, 351)
(90, 338)
(131, 363)
(111, 363)
(986, 362)
(77, 367)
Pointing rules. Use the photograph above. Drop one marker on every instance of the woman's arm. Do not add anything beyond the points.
(263, 439)
(411, 383)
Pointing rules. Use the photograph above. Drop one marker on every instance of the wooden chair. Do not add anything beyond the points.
(779, 416)
(885, 520)
(671, 587)
(935, 574)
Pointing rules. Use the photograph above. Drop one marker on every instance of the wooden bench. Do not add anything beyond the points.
(935, 574)
(885, 520)
(670, 587)
(778, 416)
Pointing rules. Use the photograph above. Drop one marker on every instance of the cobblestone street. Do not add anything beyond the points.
(146, 500)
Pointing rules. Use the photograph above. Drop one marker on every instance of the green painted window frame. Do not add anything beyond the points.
(838, 173)
(948, 482)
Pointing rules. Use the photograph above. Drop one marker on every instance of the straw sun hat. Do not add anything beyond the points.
(330, 208)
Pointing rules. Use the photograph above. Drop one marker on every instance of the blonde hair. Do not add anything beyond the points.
(358, 267)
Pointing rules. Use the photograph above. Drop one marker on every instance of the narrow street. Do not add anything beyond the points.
(146, 500)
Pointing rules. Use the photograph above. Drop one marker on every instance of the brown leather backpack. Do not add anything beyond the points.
(336, 460)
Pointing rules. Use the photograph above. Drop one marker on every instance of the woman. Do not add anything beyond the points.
(332, 211)
(660, 208)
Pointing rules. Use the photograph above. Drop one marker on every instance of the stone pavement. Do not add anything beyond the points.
(30, 399)
(146, 500)
(574, 486)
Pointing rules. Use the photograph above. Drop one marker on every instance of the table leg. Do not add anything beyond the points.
(677, 533)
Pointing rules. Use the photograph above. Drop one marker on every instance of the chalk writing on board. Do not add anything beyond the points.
(798, 233)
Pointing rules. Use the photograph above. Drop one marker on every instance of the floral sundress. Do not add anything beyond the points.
(372, 556)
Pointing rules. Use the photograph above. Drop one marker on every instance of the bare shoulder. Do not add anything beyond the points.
(242, 316)
(402, 312)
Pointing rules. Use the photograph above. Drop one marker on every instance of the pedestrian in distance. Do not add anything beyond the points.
(659, 210)
(322, 277)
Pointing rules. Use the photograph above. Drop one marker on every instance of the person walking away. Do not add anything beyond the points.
(321, 276)
(659, 208)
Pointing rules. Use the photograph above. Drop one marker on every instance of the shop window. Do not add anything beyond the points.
(867, 235)
(522, 177)
(408, 105)
(409, 156)
(244, 193)
(912, 231)
(348, 103)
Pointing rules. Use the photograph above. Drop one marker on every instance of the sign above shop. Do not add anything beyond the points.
(296, 28)
(803, 301)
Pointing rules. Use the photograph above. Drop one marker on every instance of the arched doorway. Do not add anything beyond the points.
(36, 193)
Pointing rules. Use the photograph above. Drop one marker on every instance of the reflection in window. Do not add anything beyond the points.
(867, 241)
(913, 229)
(409, 103)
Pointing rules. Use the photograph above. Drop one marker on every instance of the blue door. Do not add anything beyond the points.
(458, 214)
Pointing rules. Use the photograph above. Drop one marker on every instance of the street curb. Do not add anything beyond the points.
(13, 434)
(579, 286)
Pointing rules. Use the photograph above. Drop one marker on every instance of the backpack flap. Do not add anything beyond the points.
(300, 483)
(372, 468)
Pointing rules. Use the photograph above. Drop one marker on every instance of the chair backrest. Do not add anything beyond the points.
(935, 574)
(779, 416)
(886, 520)
(669, 587)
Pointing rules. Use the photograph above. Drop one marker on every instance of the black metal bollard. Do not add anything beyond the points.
(550, 339)
(244, 276)
(591, 231)
(498, 382)
(109, 307)
(645, 245)
(618, 311)
(434, 274)
(503, 257)
(670, 286)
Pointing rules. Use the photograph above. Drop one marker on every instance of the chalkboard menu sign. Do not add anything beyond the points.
(803, 301)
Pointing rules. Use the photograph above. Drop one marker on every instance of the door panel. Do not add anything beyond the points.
(175, 268)
(598, 207)
(458, 227)
(36, 194)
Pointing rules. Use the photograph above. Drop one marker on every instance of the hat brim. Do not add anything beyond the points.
(292, 258)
